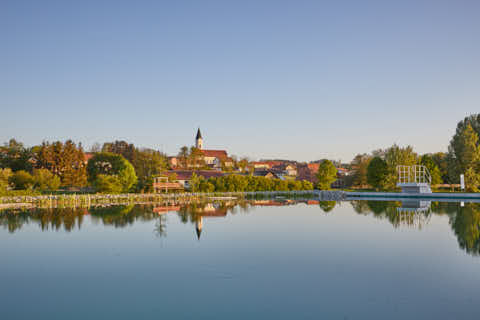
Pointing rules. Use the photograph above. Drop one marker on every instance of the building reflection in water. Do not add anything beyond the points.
(464, 219)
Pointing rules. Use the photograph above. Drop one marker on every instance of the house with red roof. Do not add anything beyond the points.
(212, 158)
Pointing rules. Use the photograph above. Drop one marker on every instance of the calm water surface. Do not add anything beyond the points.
(269, 259)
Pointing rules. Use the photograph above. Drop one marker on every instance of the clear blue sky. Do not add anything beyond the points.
(280, 79)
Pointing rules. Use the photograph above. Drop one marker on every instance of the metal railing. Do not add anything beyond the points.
(413, 174)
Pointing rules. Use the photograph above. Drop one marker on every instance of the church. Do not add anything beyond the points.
(212, 158)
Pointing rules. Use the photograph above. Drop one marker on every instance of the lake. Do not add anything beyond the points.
(265, 259)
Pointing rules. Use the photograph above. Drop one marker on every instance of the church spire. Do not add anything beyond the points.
(198, 227)
(199, 140)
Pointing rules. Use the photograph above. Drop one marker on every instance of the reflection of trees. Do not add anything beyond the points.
(14, 220)
(327, 206)
(360, 206)
(47, 219)
(465, 221)
(118, 216)
(466, 225)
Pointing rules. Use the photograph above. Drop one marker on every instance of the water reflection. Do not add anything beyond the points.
(464, 219)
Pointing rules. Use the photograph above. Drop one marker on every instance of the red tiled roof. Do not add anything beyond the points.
(220, 154)
(88, 155)
(313, 166)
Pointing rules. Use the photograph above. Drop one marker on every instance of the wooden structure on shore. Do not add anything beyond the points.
(161, 184)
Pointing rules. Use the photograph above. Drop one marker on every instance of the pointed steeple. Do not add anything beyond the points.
(199, 140)
(198, 226)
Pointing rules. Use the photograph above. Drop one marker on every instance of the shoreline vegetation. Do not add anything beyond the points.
(87, 200)
(122, 168)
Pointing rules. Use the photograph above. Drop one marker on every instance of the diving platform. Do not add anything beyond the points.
(414, 179)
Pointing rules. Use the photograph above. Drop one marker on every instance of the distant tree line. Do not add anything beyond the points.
(115, 167)
(378, 170)
(122, 167)
(245, 183)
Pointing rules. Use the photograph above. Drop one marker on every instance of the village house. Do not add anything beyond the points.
(285, 170)
(213, 158)
(269, 174)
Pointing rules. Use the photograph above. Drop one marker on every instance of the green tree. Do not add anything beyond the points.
(123, 148)
(440, 159)
(464, 151)
(22, 180)
(183, 155)
(242, 164)
(5, 175)
(377, 170)
(148, 163)
(395, 156)
(44, 180)
(108, 184)
(195, 182)
(65, 160)
(110, 164)
(359, 166)
(15, 156)
(429, 163)
(195, 158)
(472, 120)
(306, 185)
(327, 174)
(472, 180)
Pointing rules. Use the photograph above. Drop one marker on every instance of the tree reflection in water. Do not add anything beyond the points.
(464, 220)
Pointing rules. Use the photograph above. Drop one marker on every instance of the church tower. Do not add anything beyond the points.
(199, 227)
(199, 140)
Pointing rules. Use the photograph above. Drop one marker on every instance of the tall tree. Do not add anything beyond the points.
(327, 174)
(359, 166)
(16, 156)
(440, 159)
(429, 163)
(377, 170)
(395, 156)
(127, 150)
(66, 160)
(183, 155)
(148, 163)
(196, 158)
(464, 150)
(5, 175)
(121, 173)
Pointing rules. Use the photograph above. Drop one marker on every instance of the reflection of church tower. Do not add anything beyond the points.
(198, 227)
(199, 140)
